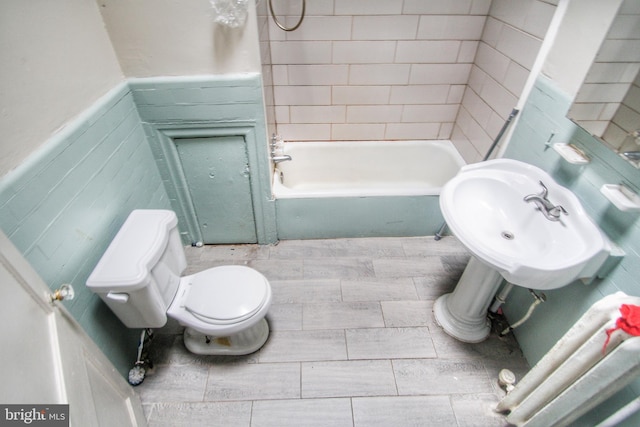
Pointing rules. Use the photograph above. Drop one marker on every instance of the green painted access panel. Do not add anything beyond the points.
(216, 170)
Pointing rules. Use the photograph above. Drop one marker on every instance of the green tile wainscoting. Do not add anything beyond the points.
(202, 107)
(62, 207)
(545, 113)
(64, 204)
(379, 216)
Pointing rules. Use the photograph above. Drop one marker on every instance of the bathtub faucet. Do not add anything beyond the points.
(276, 150)
(282, 158)
(632, 155)
(275, 142)
(551, 212)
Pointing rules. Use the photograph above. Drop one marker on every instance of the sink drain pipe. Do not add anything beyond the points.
(537, 300)
(506, 124)
(501, 297)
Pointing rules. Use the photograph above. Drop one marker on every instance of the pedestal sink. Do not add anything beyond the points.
(511, 238)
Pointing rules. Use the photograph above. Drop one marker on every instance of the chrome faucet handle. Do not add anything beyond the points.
(276, 145)
(544, 192)
(557, 210)
(275, 140)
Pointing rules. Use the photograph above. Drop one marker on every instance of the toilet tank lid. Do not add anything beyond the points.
(126, 264)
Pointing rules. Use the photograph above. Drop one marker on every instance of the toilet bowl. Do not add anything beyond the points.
(223, 308)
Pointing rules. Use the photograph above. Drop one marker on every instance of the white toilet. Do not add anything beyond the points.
(138, 277)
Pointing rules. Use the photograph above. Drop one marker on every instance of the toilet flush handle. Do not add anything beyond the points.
(118, 297)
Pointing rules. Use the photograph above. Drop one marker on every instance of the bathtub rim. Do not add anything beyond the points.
(280, 191)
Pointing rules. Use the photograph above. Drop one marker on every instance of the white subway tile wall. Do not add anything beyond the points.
(401, 69)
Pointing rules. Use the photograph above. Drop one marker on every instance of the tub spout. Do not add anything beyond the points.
(282, 158)
(632, 155)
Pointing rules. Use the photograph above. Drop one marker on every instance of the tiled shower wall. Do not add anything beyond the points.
(511, 40)
(400, 69)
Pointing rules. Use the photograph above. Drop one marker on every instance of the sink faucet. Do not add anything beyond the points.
(551, 212)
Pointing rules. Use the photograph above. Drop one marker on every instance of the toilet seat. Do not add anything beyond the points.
(226, 295)
(221, 301)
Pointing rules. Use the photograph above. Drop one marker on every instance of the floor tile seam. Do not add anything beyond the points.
(329, 361)
(448, 396)
(487, 378)
(343, 303)
(346, 340)
(382, 300)
(203, 369)
(353, 413)
(457, 358)
(376, 301)
(495, 386)
(408, 396)
(453, 411)
(182, 402)
(311, 328)
(436, 360)
(352, 396)
(399, 277)
(251, 413)
(338, 256)
(206, 385)
(388, 327)
(296, 399)
(398, 358)
(462, 357)
(395, 378)
(204, 402)
(347, 359)
(149, 414)
(249, 400)
(308, 262)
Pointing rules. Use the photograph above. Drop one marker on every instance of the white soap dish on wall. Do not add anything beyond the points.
(622, 197)
(571, 153)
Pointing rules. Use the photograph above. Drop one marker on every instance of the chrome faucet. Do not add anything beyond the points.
(281, 158)
(276, 150)
(632, 155)
(551, 212)
(275, 142)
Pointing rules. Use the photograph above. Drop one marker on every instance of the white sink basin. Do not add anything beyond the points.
(485, 209)
(513, 239)
(537, 245)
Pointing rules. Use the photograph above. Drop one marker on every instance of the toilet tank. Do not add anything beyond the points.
(139, 273)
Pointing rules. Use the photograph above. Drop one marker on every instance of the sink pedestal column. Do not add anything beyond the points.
(463, 313)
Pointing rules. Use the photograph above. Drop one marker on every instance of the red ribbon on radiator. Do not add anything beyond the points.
(629, 321)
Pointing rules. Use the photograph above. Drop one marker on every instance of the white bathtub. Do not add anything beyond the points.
(365, 168)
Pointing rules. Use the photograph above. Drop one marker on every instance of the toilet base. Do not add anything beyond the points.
(244, 342)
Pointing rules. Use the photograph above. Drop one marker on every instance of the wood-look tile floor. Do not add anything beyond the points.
(353, 343)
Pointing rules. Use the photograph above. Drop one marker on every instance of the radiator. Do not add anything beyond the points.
(576, 375)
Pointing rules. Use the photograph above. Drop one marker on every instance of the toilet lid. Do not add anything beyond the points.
(227, 294)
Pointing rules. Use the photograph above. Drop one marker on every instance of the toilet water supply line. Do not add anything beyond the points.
(512, 115)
